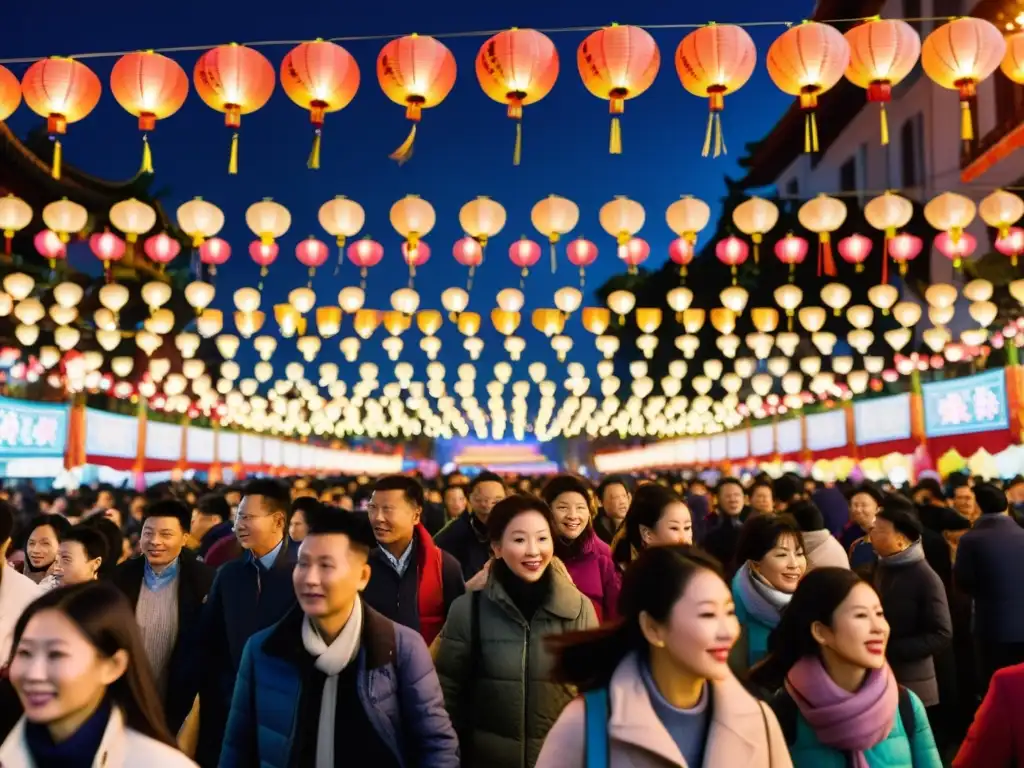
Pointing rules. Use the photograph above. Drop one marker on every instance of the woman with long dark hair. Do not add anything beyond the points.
(657, 689)
(657, 517)
(840, 704)
(84, 682)
(494, 667)
(577, 545)
(772, 552)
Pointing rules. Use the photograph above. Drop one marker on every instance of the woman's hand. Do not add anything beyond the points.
(480, 580)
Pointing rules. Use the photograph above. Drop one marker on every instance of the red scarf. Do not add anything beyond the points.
(430, 585)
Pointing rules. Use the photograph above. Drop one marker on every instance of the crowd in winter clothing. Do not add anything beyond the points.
(646, 622)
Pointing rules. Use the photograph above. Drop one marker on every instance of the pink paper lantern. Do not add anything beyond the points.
(582, 253)
(524, 254)
(107, 247)
(162, 248)
(956, 249)
(417, 255)
(468, 252)
(855, 250)
(365, 253)
(634, 252)
(1011, 244)
(311, 253)
(49, 245)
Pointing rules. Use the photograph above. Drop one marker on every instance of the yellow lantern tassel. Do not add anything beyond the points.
(404, 152)
(615, 143)
(814, 132)
(885, 125)
(720, 148)
(57, 153)
(517, 153)
(966, 123)
(147, 156)
(707, 135)
(554, 257)
(233, 159)
(314, 156)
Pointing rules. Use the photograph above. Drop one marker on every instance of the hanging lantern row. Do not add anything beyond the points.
(519, 67)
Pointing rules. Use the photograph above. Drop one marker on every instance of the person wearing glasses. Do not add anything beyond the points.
(248, 594)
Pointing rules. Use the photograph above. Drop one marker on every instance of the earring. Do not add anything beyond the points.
(660, 644)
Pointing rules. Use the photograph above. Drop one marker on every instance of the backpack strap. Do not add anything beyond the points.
(786, 713)
(472, 673)
(597, 707)
(907, 715)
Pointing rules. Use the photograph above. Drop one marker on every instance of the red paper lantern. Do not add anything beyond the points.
(263, 254)
(151, 87)
(49, 246)
(468, 252)
(791, 250)
(365, 253)
(634, 252)
(417, 255)
(214, 252)
(855, 250)
(524, 254)
(581, 252)
(162, 249)
(904, 248)
(732, 251)
(1012, 244)
(107, 247)
(311, 253)
(680, 251)
(955, 248)
(10, 93)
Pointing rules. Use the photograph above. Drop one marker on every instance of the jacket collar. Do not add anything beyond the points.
(737, 721)
(563, 600)
(113, 748)
(377, 644)
(994, 521)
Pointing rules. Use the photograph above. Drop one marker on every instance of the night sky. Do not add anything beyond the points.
(464, 147)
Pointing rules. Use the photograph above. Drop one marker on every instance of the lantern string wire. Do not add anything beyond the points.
(456, 35)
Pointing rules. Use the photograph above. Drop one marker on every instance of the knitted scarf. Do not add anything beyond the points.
(331, 660)
(763, 601)
(430, 584)
(848, 722)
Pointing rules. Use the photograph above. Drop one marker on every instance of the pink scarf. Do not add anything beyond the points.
(849, 722)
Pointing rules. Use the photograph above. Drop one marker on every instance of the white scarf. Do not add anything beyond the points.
(331, 659)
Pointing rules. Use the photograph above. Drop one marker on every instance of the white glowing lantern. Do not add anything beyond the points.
(351, 299)
(187, 344)
(155, 294)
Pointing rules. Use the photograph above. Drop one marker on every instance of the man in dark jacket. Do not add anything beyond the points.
(248, 594)
(466, 536)
(615, 497)
(990, 568)
(724, 534)
(167, 587)
(211, 522)
(412, 581)
(334, 682)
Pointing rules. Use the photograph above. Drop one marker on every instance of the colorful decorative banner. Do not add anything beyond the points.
(966, 405)
(882, 419)
(32, 430)
(826, 431)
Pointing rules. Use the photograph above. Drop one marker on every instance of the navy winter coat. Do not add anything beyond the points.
(397, 686)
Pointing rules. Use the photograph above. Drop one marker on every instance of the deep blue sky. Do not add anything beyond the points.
(464, 147)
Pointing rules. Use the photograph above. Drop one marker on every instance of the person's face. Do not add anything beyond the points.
(699, 489)
(885, 539)
(730, 499)
(784, 565)
(328, 575)
(863, 509)
(616, 500)
(572, 514)
(809, 488)
(297, 528)
(700, 630)
(483, 498)
(963, 502)
(138, 504)
(233, 498)
(455, 501)
(58, 674)
(104, 500)
(922, 497)
(859, 631)
(1015, 493)
(526, 546)
(161, 541)
(201, 524)
(675, 526)
(392, 516)
(761, 500)
(257, 527)
(75, 565)
(42, 547)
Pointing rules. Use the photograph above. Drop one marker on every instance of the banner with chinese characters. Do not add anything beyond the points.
(966, 405)
(29, 430)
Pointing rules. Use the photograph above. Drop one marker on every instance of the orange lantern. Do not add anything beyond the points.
(618, 63)
(63, 91)
(711, 62)
(517, 67)
(235, 80)
(805, 61)
(149, 86)
(321, 77)
(959, 55)
(418, 73)
(882, 53)
(10, 93)
(1012, 64)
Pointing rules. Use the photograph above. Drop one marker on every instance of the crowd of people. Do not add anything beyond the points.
(487, 621)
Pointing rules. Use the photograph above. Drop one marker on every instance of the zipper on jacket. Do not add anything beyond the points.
(526, 695)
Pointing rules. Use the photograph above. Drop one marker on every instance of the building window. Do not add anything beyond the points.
(848, 175)
(793, 188)
(911, 148)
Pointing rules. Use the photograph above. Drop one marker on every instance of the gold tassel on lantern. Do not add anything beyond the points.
(810, 133)
(517, 153)
(314, 156)
(233, 159)
(756, 237)
(147, 156)
(707, 135)
(55, 172)
(966, 123)
(554, 254)
(885, 124)
(615, 142)
(404, 152)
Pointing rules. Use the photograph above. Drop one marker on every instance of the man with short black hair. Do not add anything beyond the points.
(412, 580)
(787, 490)
(721, 540)
(249, 594)
(990, 568)
(211, 522)
(615, 497)
(466, 537)
(335, 682)
(82, 552)
(167, 586)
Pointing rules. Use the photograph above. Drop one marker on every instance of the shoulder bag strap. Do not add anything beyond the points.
(767, 733)
(596, 704)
